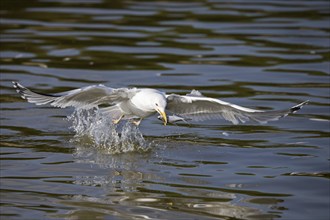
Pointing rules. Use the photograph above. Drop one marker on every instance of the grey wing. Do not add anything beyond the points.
(84, 98)
(203, 108)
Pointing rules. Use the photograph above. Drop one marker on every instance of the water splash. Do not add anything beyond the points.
(92, 128)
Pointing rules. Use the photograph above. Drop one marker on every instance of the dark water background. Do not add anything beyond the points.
(259, 54)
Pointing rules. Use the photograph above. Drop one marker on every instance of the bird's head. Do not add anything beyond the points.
(159, 104)
(151, 100)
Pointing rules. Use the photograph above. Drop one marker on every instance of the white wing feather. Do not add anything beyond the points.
(198, 107)
(83, 98)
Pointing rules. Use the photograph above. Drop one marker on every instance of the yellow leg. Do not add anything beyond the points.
(137, 123)
(116, 121)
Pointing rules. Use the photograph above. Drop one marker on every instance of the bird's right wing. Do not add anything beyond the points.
(197, 107)
(83, 98)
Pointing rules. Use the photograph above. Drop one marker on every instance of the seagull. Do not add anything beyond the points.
(137, 104)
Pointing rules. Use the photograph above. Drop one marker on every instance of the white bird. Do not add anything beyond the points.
(137, 104)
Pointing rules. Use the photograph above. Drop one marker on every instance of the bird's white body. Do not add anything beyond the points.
(145, 101)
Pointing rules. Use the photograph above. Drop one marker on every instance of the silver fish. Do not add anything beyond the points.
(174, 119)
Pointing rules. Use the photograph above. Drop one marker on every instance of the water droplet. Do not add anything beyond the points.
(92, 128)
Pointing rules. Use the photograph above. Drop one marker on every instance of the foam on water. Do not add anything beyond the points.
(92, 128)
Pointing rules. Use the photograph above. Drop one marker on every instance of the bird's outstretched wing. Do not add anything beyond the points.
(83, 98)
(198, 107)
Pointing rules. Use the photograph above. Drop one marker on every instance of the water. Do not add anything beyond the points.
(259, 54)
(95, 130)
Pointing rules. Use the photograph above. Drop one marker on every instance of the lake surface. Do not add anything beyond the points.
(259, 54)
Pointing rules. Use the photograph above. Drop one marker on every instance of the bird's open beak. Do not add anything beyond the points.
(162, 115)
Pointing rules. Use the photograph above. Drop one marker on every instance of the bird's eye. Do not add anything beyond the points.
(156, 104)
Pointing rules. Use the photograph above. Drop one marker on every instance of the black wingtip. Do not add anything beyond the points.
(298, 107)
(18, 86)
(15, 84)
(20, 89)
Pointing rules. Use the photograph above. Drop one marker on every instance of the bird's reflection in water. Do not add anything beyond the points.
(124, 172)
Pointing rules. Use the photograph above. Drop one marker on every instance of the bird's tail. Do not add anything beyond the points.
(33, 97)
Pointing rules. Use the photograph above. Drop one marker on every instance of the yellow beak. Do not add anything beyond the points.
(163, 115)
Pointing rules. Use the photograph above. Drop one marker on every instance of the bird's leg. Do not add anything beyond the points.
(137, 122)
(116, 121)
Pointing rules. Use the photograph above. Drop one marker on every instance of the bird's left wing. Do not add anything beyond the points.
(84, 98)
(197, 107)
